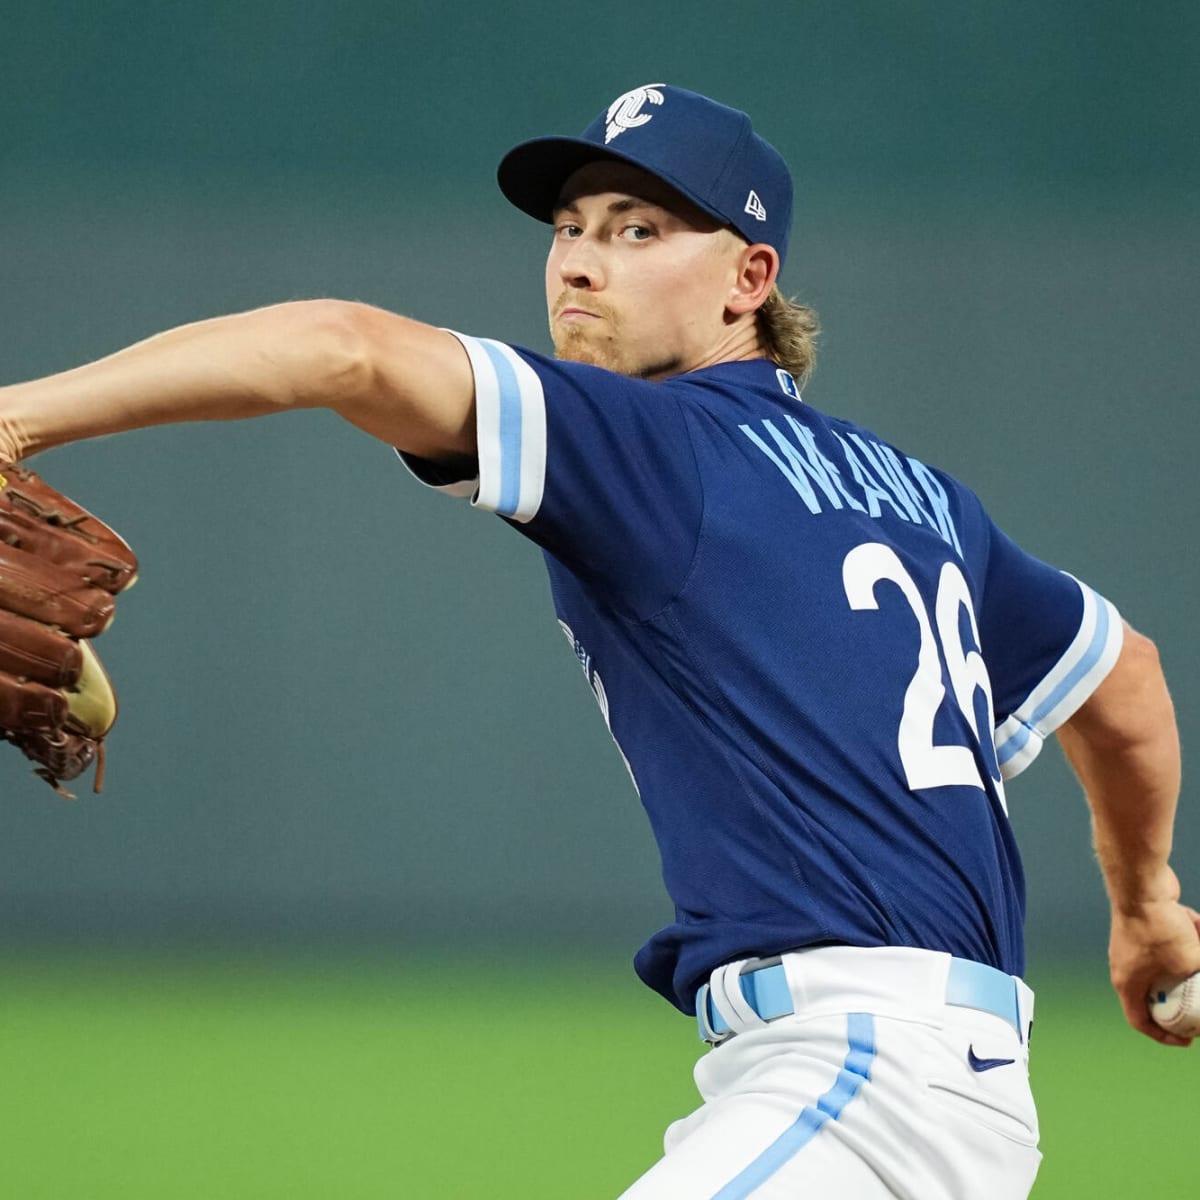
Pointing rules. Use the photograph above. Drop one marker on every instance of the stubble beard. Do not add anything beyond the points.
(575, 344)
(582, 343)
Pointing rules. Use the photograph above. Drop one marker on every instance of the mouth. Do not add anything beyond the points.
(572, 313)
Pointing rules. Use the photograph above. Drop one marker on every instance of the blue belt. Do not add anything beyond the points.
(969, 985)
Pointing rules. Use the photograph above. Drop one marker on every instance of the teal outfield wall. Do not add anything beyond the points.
(347, 712)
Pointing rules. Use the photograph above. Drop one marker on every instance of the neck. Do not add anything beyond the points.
(740, 343)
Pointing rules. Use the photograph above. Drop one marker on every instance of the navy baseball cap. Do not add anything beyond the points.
(704, 150)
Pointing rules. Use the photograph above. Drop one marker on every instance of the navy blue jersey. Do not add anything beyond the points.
(819, 657)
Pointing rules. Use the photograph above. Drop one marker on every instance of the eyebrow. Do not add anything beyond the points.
(617, 206)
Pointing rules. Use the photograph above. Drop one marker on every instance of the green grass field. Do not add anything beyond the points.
(263, 1079)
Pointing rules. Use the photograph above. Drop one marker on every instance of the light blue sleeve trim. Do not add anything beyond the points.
(1045, 709)
(510, 427)
(509, 397)
(510, 434)
(1058, 695)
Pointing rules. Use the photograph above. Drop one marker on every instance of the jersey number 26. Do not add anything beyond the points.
(926, 763)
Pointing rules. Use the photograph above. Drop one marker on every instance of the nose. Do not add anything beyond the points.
(579, 265)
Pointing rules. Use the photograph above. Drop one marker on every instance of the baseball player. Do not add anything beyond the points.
(820, 659)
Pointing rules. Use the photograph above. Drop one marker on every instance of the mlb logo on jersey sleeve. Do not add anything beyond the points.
(788, 384)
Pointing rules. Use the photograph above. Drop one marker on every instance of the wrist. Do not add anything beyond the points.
(11, 443)
(1135, 894)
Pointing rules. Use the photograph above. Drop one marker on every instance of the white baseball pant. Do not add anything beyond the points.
(885, 1081)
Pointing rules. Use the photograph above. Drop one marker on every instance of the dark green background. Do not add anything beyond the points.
(347, 715)
(353, 914)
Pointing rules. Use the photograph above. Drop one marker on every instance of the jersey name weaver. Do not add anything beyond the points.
(880, 481)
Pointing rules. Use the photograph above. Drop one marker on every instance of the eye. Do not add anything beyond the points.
(567, 230)
(637, 233)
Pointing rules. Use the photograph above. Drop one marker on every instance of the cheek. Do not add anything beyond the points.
(703, 290)
(680, 298)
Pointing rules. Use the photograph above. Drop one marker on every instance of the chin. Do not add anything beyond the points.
(574, 347)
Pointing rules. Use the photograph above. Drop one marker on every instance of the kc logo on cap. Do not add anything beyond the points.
(625, 112)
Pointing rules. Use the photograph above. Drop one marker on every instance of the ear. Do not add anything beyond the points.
(757, 270)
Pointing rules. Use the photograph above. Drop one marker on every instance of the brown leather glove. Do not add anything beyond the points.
(60, 568)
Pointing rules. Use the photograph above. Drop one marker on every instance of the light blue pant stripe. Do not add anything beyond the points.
(856, 1070)
(510, 430)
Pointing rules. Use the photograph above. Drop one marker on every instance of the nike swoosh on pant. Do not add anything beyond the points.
(986, 1064)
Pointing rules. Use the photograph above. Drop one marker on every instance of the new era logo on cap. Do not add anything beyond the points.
(706, 151)
(754, 206)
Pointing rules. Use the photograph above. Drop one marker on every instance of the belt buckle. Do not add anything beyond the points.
(707, 1032)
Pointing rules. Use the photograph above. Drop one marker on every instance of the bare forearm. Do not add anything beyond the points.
(1124, 746)
(246, 365)
(1133, 817)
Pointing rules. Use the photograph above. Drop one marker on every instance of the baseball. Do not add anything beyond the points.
(1175, 1006)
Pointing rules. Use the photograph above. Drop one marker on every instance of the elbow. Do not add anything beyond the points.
(1139, 656)
(406, 383)
(1132, 702)
(332, 339)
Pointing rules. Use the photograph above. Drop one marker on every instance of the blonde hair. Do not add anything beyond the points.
(788, 332)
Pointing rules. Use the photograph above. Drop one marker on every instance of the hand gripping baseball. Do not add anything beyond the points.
(60, 568)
